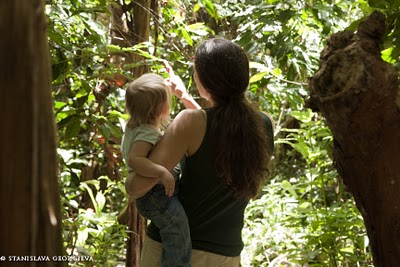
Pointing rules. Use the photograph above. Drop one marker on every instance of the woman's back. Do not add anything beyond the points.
(215, 214)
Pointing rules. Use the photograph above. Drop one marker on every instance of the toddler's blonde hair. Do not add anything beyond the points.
(146, 99)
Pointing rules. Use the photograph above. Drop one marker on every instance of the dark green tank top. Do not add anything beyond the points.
(215, 215)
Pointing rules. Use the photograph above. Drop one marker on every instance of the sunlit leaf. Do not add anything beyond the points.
(289, 187)
(101, 201)
(387, 55)
(186, 35)
(257, 77)
(348, 250)
(196, 7)
(59, 104)
(258, 65)
(277, 72)
(304, 207)
(304, 116)
(82, 236)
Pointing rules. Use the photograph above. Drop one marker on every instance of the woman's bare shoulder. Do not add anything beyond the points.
(190, 117)
(190, 125)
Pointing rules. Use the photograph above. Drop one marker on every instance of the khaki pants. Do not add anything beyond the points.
(151, 257)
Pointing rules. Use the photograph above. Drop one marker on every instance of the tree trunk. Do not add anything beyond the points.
(141, 9)
(131, 30)
(30, 215)
(125, 33)
(358, 93)
(137, 224)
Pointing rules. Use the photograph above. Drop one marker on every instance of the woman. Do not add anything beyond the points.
(226, 149)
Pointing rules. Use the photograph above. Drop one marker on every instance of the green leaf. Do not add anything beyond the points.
(90, 192)
(379, 4)
(257, 65)
(104, 130)
(186, 35)
(387, 55)
(82, 92)
(288, 186)
(112, 129)
(59, 105)
(304, 207)
(56, 37)
(117, 114)
(196, 7)
(199, 29)
(101, 201)
(302, 148)
(315, 224)
(277, 72)
(72, 129)
(304, 116)
(349, 250)
(195, 26)
(82, 236)
(258, 76)
(210, 8)
(65, 154)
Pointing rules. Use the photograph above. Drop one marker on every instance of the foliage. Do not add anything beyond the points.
(88, 131)
(307, 217)
(304, 215)
(94, 232)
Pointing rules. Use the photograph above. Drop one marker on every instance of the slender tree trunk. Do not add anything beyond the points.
(137, 224)
(133, 30)
(358, 93)
(141, 9)
(30, 214)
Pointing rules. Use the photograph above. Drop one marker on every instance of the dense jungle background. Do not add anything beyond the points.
(304, 215)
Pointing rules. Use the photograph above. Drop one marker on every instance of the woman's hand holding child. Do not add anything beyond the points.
(168, 181)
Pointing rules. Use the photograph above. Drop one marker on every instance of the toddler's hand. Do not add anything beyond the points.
(168, 181)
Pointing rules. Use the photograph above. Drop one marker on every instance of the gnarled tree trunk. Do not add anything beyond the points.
(357, 92)
(30, 222)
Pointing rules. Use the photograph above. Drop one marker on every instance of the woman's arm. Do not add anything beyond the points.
(189, 101)
(183, 136)
(179, 89)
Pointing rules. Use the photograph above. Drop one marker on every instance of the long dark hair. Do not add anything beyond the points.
(242, 152)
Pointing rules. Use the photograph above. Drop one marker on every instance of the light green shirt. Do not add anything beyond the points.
(146, 133)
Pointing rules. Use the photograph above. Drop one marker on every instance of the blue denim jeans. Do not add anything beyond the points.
(168, 215)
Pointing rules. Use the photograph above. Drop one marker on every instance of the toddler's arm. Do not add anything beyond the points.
(179, 89)
(143, 166)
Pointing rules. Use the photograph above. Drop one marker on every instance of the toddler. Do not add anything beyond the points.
(148, 104)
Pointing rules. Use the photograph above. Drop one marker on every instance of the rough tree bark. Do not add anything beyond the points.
(358, 93)
(29, 191)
